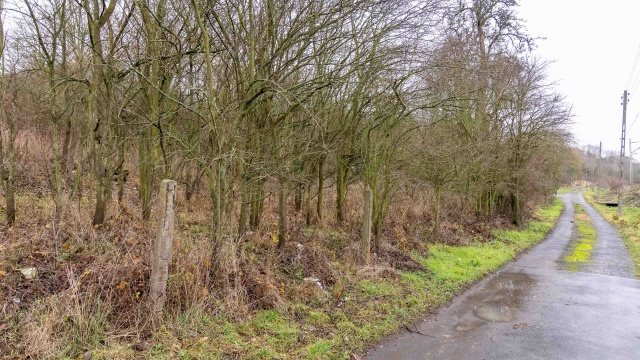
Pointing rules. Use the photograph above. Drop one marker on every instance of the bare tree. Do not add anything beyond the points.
(7, 160)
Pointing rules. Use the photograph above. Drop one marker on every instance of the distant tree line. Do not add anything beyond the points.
(602, 168)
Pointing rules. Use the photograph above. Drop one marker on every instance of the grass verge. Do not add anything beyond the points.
(628, 226)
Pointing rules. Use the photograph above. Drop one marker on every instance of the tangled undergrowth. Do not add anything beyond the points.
(310, 299)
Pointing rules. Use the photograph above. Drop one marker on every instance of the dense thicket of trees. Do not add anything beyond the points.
(252, 97)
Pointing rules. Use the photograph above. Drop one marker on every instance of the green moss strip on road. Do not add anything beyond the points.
(582, 246)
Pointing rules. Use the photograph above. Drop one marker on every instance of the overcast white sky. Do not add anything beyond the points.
(594, 45)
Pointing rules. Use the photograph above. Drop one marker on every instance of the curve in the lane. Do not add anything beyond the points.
(531, 309)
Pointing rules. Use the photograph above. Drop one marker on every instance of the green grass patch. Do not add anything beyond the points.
(465, 264)
(377, 288)
(318, 318)
(549, 214)
(564, 190)
(279, 330)
(321, 349)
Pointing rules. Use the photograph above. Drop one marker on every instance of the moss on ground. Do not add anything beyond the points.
(581, 248)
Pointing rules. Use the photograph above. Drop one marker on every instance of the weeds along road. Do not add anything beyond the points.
(573, 296)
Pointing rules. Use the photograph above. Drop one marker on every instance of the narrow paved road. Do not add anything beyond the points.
(532, 309)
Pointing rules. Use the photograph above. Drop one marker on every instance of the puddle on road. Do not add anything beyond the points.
(494, 311)
(470, 325)
(506, 283)
(498, 301)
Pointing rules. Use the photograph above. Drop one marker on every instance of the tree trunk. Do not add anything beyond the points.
(6, 174)
(66, 142)
(341, 188)
(101, 180)
(101, 204)
(146, 173)
(254, 213)
(257, 201)
(222, 254)
(10, 198)
(217, 196)
(57, 154)
(282, 214)
(162, 247)
(121, 172)
(77, 181)
(6, 171)
(365, 241)
(516, 208)
(244, 198)
(320, 188)
(298, 196)
(375, 204)
(308, 210)
(436, 225)
(99, 119)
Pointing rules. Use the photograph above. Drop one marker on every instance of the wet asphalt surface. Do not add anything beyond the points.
(533, 309)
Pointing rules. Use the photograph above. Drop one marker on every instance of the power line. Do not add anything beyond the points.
(634, 121)
(636, 82)
(634, 77)
(633, 68)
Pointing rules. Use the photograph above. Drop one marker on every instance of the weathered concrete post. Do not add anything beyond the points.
(365, 243)
(162, 247)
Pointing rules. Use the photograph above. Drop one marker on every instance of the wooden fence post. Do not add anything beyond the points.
(162, 247)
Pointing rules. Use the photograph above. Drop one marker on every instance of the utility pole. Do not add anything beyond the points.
(622, 139)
